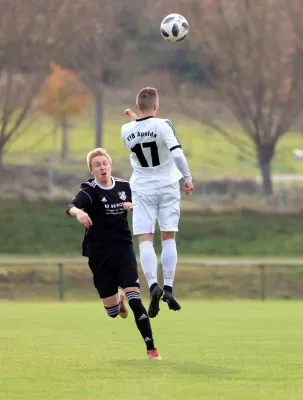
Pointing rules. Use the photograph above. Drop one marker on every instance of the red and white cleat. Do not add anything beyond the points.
(153, 354)
(123, 309)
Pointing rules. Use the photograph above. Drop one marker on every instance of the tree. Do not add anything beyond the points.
(63, 96)
(32, 33)
(98, 56)
(252, 57)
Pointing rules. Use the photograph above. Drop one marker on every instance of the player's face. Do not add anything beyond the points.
(101, 168)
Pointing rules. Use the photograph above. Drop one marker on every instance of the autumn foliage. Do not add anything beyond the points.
(63, 95)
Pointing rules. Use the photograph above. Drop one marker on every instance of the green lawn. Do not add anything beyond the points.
(208, 153)
(244, 350)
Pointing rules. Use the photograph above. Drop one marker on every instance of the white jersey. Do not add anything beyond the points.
(151, 141)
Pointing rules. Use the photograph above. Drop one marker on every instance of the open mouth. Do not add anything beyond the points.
(103, 173)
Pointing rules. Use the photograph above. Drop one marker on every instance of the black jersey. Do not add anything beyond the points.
(105, 208)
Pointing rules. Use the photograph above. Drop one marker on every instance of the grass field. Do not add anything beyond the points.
(211, 350)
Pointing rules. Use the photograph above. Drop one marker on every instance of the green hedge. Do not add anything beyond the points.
(43, 228)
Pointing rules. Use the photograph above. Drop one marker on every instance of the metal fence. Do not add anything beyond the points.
(62, 267)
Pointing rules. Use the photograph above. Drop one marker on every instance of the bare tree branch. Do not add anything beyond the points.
(251, 53)
(32, 33)
(98, 56)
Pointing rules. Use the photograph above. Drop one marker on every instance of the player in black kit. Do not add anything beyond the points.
(101, 206)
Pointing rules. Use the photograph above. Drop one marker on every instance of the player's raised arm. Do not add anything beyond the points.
(130, 115)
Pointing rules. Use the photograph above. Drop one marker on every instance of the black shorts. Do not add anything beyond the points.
(114, 266)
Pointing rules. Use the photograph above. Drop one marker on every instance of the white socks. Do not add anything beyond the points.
(149, 262)
(169, 258)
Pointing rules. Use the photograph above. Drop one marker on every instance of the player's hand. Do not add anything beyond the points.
(188, 188)
(84, 219)
(129, 114)
(127, 206)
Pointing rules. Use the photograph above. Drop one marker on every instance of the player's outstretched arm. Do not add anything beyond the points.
(82, 216)
(74, 209)
(130, 115)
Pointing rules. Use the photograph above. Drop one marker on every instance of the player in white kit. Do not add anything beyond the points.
(158, 164)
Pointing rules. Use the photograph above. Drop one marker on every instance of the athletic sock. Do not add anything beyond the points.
(113, 311)
(149, 262)
(169, 257)
(141, 318)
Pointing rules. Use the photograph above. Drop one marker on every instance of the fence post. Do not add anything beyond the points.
(262, 282)
(61, 281)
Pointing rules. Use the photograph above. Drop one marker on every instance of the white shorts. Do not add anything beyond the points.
(161, 204)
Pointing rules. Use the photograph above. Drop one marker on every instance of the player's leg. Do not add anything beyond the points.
(149, 264)
(142, 321)
(169, 264)
(129, 281)
(112, 305)
(148, 258)
(106, 284)
(169, 258)
(145, 209)
(168, 218)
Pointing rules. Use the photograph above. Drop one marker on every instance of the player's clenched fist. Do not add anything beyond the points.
(127, 206)
(188, 188)
(129, 114)
(84, 219)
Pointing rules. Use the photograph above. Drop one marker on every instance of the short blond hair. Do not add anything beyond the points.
(95, 153)
(147, 98)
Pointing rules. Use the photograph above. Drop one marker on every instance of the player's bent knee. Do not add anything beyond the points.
(168, 235)
(145, 237)
(131, 289)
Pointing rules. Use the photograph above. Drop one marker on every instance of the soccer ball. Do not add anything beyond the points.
(174, 28)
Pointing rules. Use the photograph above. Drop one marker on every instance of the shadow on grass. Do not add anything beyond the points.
(168, 368)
